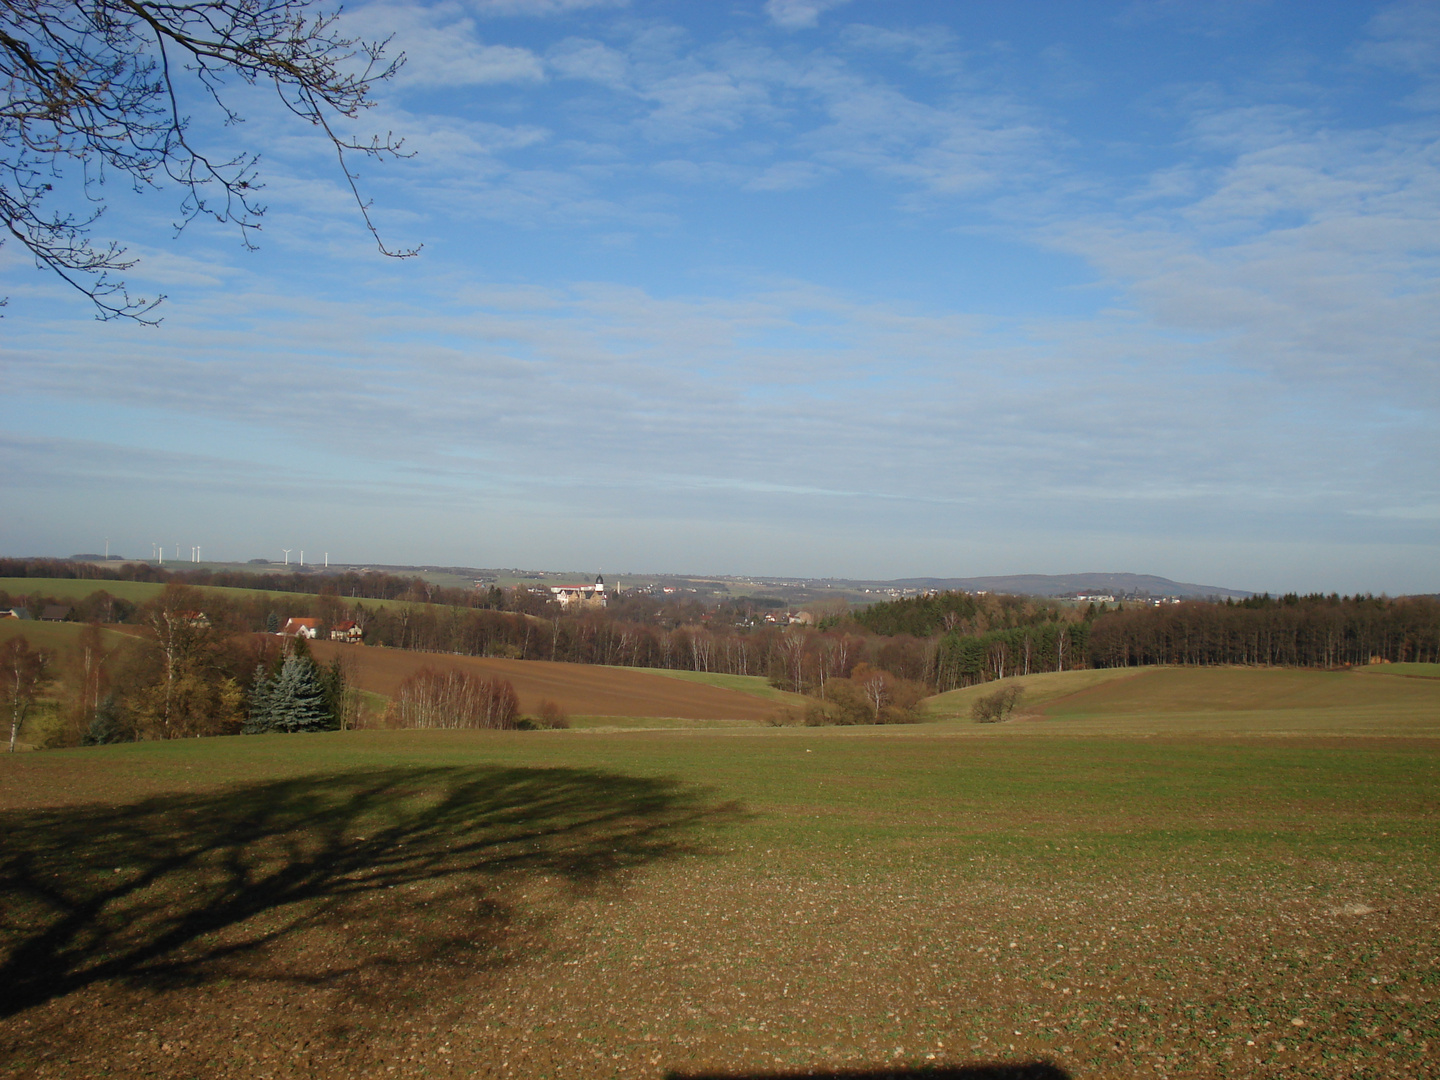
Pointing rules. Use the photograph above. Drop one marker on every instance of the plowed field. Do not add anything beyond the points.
(579, 689)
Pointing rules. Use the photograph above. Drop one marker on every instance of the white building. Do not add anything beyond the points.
(581, 595)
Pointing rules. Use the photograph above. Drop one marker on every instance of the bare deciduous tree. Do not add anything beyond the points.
(94, 87)
(454, 699)
(24, 672)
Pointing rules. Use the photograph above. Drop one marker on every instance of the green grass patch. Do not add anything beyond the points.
(1039, 688)
(655, 723)
(137, 592)
(1424, 671)
(75, 589)
(756, 685)
(58, 637)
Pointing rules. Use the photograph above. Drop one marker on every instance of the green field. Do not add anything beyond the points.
(743, 900)
(748, 684)
(137, 592)
(57, 637)
(1038, 690)
(1424, 671)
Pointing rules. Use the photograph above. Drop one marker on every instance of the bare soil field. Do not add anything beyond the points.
(582, 689)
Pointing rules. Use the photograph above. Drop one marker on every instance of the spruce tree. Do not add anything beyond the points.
(262, 704)
(298, 698)
(104, 725)
(332, 680)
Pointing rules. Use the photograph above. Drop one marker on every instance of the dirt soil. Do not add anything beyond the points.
(577, 688)
(703, 970)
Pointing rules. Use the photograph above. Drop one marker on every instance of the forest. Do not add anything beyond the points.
(1289, 631)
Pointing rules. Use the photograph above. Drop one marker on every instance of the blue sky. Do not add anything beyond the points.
(792, 287)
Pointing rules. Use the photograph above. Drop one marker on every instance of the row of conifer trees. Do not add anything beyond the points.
(297, 695)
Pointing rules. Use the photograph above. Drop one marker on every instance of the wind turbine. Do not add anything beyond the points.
(287, 555)
(107, 549)
(302, 556)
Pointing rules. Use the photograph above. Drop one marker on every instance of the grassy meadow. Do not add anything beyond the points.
(137, 592)
(1167, 872)
(746, 684)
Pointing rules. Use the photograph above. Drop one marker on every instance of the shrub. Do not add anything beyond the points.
(871, 696)
(552, 716)
(992, 708)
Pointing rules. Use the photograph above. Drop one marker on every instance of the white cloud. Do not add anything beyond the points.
(799, 14)
(576, 58)
(442, 46)
(788, 176)
(541, 7)
(1404, 37)
(1311, 253)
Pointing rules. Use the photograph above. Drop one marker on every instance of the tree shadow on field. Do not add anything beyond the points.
(359, 876)
(1021, 1070)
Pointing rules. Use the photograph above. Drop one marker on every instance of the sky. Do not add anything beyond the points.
(789, 287)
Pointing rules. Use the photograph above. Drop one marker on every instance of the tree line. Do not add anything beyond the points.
(195, 668)
(1289, 631)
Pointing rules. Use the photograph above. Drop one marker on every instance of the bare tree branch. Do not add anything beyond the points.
(90, 87)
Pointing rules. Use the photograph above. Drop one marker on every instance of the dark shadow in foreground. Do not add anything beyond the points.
(1020, 1070)
(365, 873)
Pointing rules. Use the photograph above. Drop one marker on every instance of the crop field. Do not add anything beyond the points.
(742, 902)
(1038, 690)
(1420, 671)
(1236, 702)
(138, 592)
(584, 690)
(748, 684)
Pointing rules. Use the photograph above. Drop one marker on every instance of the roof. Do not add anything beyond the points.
(55, 612)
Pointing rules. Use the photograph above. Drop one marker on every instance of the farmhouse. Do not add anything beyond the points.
(15, 613)
(581, 595)
(55, 613)
(306, 628)
(346, 631)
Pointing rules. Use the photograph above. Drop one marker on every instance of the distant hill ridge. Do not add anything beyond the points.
(1070, 584)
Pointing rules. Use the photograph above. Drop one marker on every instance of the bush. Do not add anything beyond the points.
(992, 708)
(552, 716)
(871, 696)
